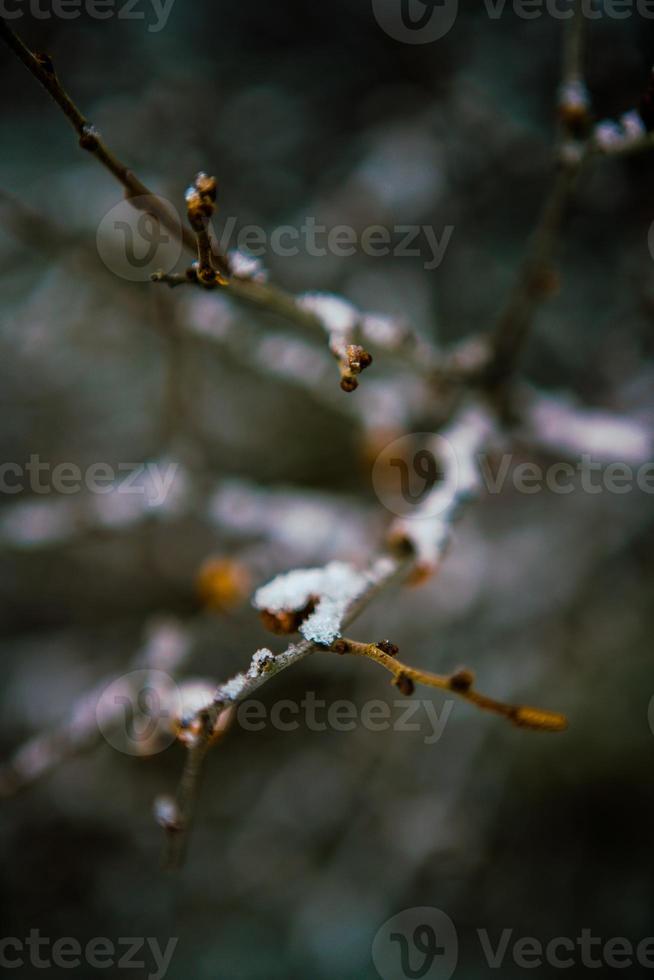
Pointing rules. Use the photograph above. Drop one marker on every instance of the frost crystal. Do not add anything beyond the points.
(232, 689)
(192, 697)
(335, 586)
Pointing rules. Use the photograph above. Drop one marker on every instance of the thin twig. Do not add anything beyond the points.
(460, 683)
(263, 296)
(535, 277)
(90, 140)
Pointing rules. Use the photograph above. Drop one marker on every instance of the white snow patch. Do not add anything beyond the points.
(232, 689)
(247, 266)
(335, 586)
(339, 316)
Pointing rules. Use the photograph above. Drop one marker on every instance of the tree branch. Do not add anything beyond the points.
(535, 277)
(460, 683)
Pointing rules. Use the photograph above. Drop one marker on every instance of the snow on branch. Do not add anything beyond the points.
(315, 600)
(166, 648)
(559, 424)
(427, 531)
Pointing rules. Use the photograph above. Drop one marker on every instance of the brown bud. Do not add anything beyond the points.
(286, 621)
(206, 275)
(421, 573)
(399, 542)
(387, 647)
(462, 680)
(340, 647)
(206, 186)
(349, 383)
(404, 685)
(222, 583)
(357, 358)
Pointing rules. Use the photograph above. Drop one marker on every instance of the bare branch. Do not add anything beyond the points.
(535, 278)
(461, 683)
(262, 295)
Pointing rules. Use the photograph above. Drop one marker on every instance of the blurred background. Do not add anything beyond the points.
(307, 842)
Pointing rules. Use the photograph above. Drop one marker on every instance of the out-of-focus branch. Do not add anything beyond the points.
(535, 277)
(560, 425)
(461, 683)
(166, 649)
(427, 532)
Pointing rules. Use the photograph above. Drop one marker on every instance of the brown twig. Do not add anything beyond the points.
(461, 683)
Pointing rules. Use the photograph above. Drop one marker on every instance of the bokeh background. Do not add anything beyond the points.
(306, 842)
